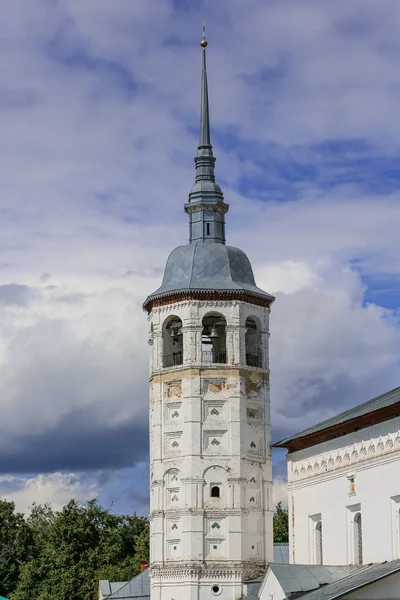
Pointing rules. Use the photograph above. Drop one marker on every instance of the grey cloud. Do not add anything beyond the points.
(15, 294)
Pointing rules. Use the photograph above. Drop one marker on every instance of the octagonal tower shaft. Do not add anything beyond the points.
(211, 505)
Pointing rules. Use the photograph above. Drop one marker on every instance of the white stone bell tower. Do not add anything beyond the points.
(210, 441)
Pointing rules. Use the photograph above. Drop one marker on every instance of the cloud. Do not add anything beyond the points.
(279, 492)
(99, 117)
(55, 488)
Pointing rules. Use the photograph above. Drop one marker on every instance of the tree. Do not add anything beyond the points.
(16, 546)
(281, 524)
(75, 548)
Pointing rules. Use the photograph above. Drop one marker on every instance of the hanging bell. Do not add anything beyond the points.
(179, 332)
(213, 332)
(172, 333)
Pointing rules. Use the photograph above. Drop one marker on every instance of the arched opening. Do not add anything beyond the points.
(358, 554)
(253, 343)
(318, 543)
(213, 340)
(172, 342)
(215, 491)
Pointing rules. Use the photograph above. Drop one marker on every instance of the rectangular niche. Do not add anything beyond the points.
(214, 409)
(214, 387)
(215, 528)
(215, 441)
(173, 549)
(253, 499)
(173, 389)
(173, 497)
(173, 442)
(254, 444)
(173, 412)
(254, 413)
(254, 388)
(172, 528)
(215, 548)
(254, 549)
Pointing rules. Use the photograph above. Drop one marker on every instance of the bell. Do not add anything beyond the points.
(172, 333)
(179, 332)
(213, 332)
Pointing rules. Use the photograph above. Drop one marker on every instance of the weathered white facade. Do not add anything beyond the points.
(344, 498)
(211, 505)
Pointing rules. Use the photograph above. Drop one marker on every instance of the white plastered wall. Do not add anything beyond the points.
(358, 472)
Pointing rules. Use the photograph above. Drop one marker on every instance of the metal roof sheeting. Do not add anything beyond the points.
(382, 401)
(138, 587)
(360, 578)
(304, 578)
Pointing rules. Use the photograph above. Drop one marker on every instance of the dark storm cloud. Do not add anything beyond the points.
(79, 442)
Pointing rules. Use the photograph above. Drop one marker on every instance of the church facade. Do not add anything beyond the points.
(210, 434)
(344, 486)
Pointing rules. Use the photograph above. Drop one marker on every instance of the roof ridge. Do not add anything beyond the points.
(342, 417)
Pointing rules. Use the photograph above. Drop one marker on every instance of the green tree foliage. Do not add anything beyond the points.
(16, 546)
(71, 550)
(281, 524)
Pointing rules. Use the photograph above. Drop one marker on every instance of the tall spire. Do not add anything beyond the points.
(204, 110)
(206, 206)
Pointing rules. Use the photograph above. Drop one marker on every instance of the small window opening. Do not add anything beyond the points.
(215, 589)
(215, 491)
(208, 228)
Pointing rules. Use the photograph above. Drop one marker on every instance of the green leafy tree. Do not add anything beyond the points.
(16, 546)
(75, 548)
(281, 524)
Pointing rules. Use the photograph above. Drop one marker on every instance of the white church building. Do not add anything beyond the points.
(211, 509)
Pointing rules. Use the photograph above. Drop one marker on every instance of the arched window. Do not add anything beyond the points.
(358, 553)
(215, 491)
(318, 543)
(172, 342)
(253, 343)
(214, 339)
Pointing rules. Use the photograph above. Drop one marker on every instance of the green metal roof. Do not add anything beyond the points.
(370, 406)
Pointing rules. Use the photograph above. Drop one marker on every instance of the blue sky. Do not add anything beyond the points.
(99, 111)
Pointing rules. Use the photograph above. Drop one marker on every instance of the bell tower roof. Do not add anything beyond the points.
(206, 265)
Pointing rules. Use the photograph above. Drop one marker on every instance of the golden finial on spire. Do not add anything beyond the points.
(203, 42)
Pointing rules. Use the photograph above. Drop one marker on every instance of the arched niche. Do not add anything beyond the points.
(172, 342)
(253, 342)
(172, 489)
(358, 546)
(318, 544)
(215, 488)
(213, 339)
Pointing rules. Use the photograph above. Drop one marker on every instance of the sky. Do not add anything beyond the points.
(99, 114)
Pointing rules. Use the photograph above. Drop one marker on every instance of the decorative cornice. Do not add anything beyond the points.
(210, 295)
(343, 458)
(195, 207)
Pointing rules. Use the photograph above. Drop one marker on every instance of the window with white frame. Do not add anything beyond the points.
(354, 534)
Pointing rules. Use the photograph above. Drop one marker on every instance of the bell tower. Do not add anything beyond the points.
(210, 433)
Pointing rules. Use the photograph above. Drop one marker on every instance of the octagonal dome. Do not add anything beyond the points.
(207, 267)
